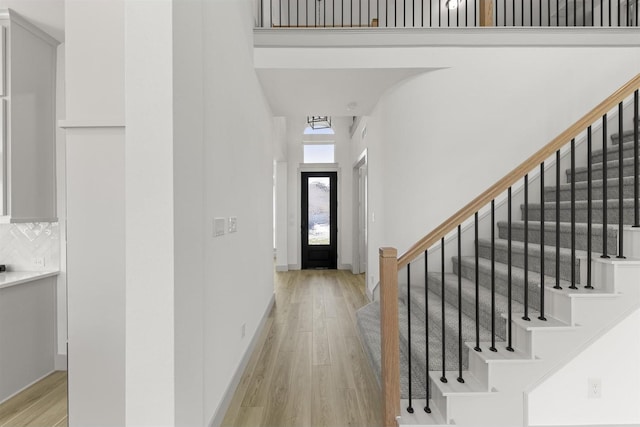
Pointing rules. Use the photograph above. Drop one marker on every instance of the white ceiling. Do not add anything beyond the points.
(48, 15)
(298, 92)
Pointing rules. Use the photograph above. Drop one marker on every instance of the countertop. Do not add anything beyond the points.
(12, 278)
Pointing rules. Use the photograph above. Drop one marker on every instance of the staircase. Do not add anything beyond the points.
(493, 378)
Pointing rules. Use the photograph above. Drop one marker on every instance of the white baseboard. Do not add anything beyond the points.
(27, 386)
(220, 412)
(345, 267)
(280, 268)
(294, 267)
(60, 362)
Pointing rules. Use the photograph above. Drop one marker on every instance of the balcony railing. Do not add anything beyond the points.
(446, 13)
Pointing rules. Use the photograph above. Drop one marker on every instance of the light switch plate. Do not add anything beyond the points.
(233, 224)
(218, 227)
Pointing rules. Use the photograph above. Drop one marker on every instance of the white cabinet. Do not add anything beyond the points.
(27, 116)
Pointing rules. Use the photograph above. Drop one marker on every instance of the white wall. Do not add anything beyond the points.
(448, 135)
(295, 157)
(95, 211)
(613, 358)
(238, 162)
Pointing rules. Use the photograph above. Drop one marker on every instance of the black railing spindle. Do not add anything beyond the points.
(589, 207)
(427, 409)
(493, 277)
(409, 356)
(541, 317)
(460, 379)
(526, 248)
(573, 215)
(557, 285)
(604, 188)
(620, 182)
(509, 275)
(636, 169)
(477, 280)
(443, 378)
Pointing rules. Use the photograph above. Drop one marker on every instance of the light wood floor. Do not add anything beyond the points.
(309, 367)
(44, 404)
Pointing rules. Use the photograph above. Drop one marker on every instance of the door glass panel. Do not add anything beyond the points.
(319, 211)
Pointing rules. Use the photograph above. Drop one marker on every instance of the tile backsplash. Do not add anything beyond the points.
(24, 247)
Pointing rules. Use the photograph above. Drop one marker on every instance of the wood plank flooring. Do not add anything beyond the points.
(44, 404)
(309, 367)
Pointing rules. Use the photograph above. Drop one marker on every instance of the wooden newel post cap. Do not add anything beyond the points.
(388, 253)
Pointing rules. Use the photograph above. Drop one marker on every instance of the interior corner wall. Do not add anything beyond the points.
(238, 163)
(443, 137)
(188, 208)
(95, 212)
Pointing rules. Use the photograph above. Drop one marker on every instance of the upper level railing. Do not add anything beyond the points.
(447, 13)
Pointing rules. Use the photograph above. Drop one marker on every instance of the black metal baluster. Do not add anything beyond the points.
(378, 11)
(557, 13)
(409, 357)
(413, 13)
(448, 17)
(457, 15)
(509, 275)
(333, 13)
(530, 13)
(466, 14)
(540, 13)
(477, 279)
(460, 379)
(288, 12)
(584, 13)
(573, 215)
(526, 248)
(589, 207)
(404, 13)
(422, 13)
(493, 277)
(351, 13)
(620, 183)
(575, 17)
(619, 14)
(593, 18)
(504, 6)
(443, 378)
(430, 14)
(601, 14)
(439, 13)
(427, 409)
(636, 169)
(557, 286)
(261, 13)
(541, 317)
(475, 14)
(548, 13)
(609, 12)
(605, 231)
(395, 13)
(566, 13)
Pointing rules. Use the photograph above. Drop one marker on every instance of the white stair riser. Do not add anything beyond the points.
(631, 242)
(495, 410)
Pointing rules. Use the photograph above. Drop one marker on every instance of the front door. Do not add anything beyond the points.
(319, 220)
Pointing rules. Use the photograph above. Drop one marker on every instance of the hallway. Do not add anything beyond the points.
(309, 367)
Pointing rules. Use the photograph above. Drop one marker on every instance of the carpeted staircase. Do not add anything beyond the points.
(369, 316)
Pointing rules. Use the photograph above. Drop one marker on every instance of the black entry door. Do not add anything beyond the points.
(319, 220)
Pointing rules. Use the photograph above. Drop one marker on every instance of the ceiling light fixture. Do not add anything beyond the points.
(452, 4)
(319, 122)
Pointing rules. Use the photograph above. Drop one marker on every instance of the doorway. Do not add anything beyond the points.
(319, 225)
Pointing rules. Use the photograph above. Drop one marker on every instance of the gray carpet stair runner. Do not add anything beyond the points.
(368, 318)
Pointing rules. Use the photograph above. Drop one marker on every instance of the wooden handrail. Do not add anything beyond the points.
(525, 167)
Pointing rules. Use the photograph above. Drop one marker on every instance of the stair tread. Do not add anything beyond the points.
(502, 355)
(501, 269)
(627, 162)
(435, 310)
(471, 385)
(534, 248)
(595, 204)
(625, 134)
(581, 227)
(536, 324)
(595, 184)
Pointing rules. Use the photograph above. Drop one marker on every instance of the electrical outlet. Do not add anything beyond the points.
(38, 262)
(594, 388)
(243, 330)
